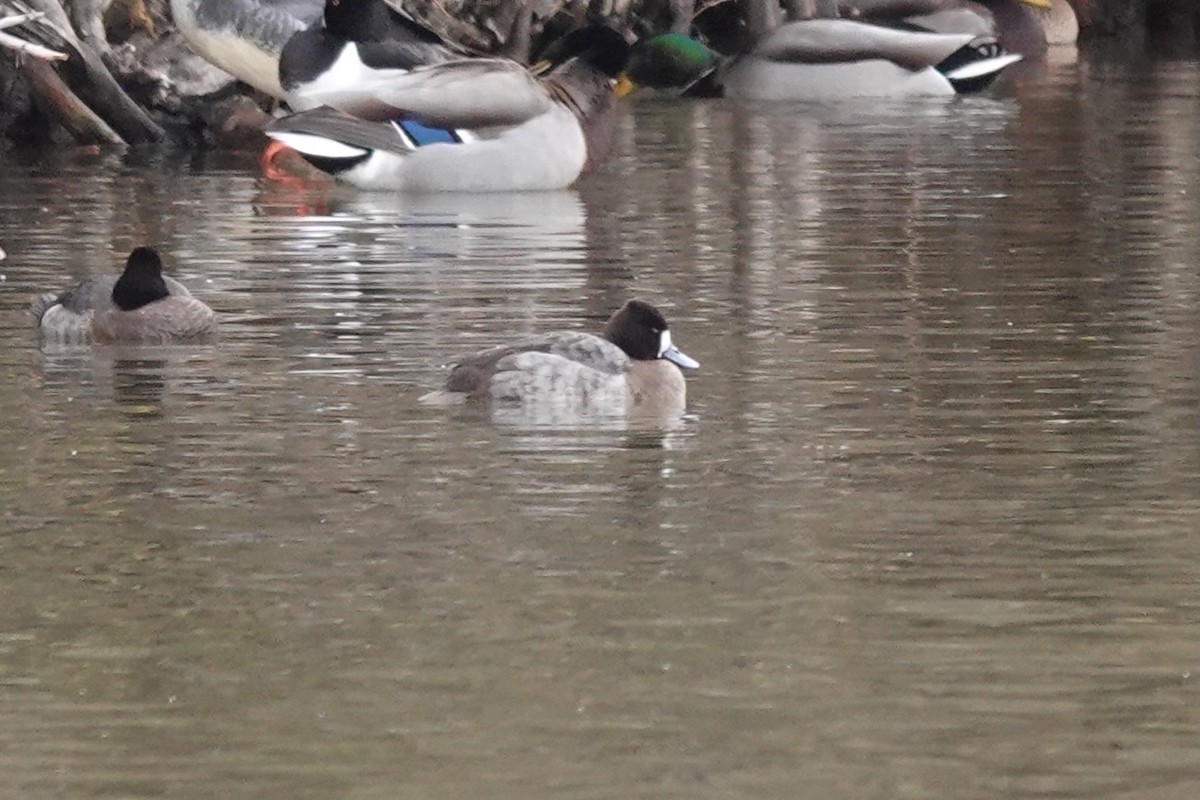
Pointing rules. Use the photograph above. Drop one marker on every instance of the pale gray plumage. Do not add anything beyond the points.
(825, 41)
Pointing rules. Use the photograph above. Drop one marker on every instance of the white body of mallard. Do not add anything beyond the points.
(829, 59)
(517, 132)
(547, 152)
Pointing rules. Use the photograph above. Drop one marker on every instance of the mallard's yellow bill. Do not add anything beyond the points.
(624, 85)
(1037, 3)
(540, 68)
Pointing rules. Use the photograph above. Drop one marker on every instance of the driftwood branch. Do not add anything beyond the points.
(84, 76)
(12, 42)
(65, 106)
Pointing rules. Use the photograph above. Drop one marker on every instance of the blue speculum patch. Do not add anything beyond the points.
(422, 135)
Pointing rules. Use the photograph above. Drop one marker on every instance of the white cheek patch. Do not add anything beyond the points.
(664, 343)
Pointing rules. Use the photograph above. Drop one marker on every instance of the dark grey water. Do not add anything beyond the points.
(929, 531)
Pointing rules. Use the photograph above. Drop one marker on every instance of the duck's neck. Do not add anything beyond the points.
(580, 87)
(589, 96)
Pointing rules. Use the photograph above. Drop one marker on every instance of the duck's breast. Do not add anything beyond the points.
(656, 388)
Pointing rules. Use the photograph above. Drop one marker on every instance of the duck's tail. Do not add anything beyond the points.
(972, 68)
(333, 141)
(40, 305)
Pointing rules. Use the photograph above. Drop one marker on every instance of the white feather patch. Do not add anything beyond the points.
(317, 146)
(977, 69)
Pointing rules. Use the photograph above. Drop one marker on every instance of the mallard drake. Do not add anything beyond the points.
(826, 58)
(633, 368)
(355, 41)
(244, 37)
(1021, 26)
(142, 306)
(473, 125)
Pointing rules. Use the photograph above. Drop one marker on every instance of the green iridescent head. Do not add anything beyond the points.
(669, 61)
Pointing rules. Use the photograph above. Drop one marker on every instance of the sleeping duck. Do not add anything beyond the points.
(143, 306)
(471, 125)
(1020, 26)
(633, 369)
(825, 59)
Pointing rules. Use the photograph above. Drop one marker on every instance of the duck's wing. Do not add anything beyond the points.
(472, 375)
(935, 16)
(824, 41)
(978, 23)
(534, 377)
(892, 9)
(328, 133)
(67, 316)
(88, 295)
(468, 93)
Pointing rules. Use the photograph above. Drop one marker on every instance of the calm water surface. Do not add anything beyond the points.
(929, 530)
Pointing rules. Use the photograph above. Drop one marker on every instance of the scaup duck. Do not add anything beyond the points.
(141, 306)
(634, 368)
